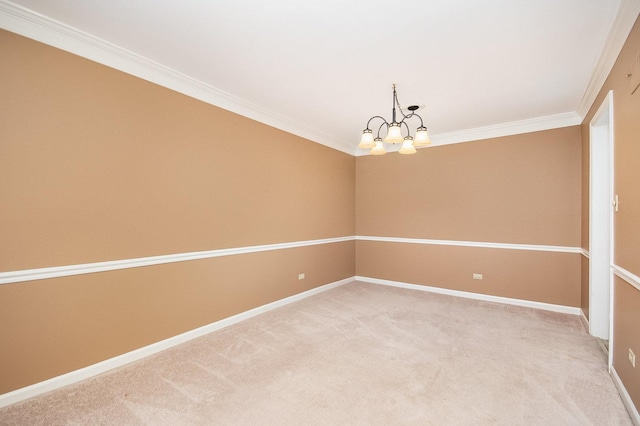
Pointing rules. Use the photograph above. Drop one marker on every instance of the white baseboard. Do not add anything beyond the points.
(477, 296)
(626, 398)
(584, 320)
(135, 355)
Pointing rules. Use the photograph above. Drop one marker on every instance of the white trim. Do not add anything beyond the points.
(135, 355)
(601, 216)
(584, 252)
(624, 395)
(498, 130)
(533, 247)
(88, 268)
(112, 265)
(28, 23)
(625, 19)
(629, 277)
(506, 129)
(476, 296)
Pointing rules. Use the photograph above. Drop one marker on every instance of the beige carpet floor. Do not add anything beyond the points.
(359, 354)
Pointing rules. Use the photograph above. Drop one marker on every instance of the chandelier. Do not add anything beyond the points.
(394, 132)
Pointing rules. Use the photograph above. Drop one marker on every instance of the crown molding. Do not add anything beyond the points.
(41, 28)
(28, 23)
(625, 19)
(507, 129)
(498, 130)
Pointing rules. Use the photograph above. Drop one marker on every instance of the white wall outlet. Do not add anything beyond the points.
(477, 276)
(632, 358)
(301, 276)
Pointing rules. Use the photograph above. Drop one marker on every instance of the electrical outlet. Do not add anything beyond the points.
(477, 276)
(632, 358)
(301, 276)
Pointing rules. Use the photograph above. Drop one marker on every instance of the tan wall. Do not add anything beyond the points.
(522, 189)
(91, 156)
(626, 154)
(626, 328)
(97, 165)
(627, 220)
(519, 274)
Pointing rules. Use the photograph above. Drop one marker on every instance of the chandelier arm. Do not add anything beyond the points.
(380, 128)
(407, 126)
(421, 123)
(376, 116)
(412, 115)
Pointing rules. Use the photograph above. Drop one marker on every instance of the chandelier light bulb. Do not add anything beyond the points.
(378, 149)
(422, 137)
(407, 146)
(394, 134)
(366, 141)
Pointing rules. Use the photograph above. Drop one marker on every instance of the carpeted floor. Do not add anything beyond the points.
(359, 354)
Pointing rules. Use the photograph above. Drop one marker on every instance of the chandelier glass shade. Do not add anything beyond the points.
(394, 132)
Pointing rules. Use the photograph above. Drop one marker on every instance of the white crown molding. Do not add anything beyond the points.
(498, 130)
(88, 268)
(507, 129)
(508, 246)
(30, 24)
(138, 354)
(38, 27)
(625, 19)
(476, 296)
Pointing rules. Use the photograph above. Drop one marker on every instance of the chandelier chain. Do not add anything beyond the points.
(400, 108)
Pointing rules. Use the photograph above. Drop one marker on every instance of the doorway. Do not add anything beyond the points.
(601, 221)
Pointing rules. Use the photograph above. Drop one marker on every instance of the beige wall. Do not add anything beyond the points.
(519, 274)
(626, 331)
(626, 326)
(517, 189)
(522, 189)
(91, 155)
(97, 165)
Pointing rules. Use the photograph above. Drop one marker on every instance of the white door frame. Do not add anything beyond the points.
(601, 221)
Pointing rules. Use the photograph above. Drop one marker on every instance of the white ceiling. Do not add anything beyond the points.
(322, 68)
